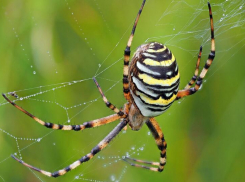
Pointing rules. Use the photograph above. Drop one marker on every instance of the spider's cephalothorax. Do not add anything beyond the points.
(150, 86)
(153, 79)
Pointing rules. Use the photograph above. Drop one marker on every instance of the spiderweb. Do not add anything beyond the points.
(50, 53)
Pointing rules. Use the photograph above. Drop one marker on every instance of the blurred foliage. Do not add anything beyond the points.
(49, 42)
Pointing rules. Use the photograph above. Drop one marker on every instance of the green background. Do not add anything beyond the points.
(69, 40)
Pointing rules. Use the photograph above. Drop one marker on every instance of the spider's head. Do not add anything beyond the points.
(136, 119)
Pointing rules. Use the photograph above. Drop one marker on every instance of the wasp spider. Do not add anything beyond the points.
(150, 86)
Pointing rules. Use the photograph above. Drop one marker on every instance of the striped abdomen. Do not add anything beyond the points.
(153, 79)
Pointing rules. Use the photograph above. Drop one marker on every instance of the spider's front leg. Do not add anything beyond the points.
(89, 124)
(161, 144)
(83, 159)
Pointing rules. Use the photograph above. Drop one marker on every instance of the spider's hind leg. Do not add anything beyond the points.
(193, 79)
(189, 91)
(126, 90)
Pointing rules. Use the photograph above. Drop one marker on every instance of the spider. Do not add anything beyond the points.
(150, 86)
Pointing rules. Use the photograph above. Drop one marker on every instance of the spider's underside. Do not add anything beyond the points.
(150, 86)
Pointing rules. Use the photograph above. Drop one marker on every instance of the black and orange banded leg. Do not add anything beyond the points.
(126, 90)
(89, 124)
(85, 158)
(192, 90)
(193, 79)
(161, 144)
(107, 103)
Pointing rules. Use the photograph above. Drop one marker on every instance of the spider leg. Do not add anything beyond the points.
(162, 145)
(126, 111)
(127, 159)
(126, 91)
(89, 124)
(192, 90)
(85, 158)
(193, 79)
(107, 103)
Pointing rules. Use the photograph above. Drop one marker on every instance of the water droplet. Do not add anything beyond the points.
(200, 87)
(34, 72)
(133, 148)
(240, 7)
(31, 66)
(39, 139)
(21, 98)
(113, 178)
(99, 65)
(148, 133)
(68, 121)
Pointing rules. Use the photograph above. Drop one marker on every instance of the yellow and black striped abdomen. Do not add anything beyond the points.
(154, 79)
